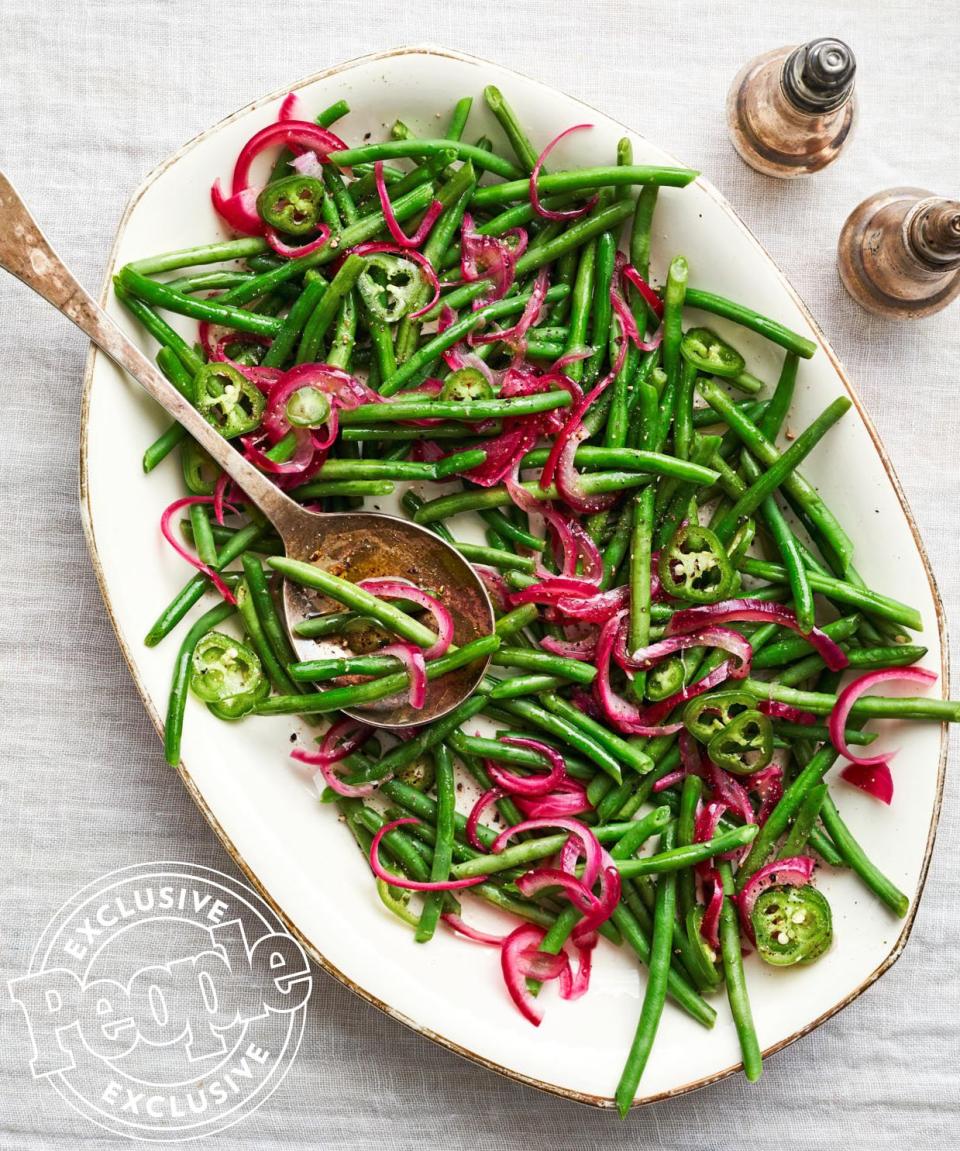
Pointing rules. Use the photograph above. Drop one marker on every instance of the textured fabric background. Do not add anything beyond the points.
(94, 94)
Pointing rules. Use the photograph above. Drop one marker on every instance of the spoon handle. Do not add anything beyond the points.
(26, 253)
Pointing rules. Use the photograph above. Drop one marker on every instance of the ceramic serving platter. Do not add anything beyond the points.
(264, 809)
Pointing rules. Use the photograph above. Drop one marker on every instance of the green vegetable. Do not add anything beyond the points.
(793, 925)
(292, 205)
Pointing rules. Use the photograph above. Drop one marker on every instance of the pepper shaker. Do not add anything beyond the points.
(899, 253)
(790, 111)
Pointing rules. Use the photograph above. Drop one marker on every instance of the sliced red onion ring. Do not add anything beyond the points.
(624, 716)
(729, 792)
(170, 537)
(401, 880)
(549, 213)
(455, 923)
(520, 959)
(289, 107)
(297, 465)
(239, 211)
(768, 785)
(651, 298)
(504, 453)
(590, 848)
(756, 611)
(723, 638)
(785, 711)
(548, 591)
(690, 755)
(473, 819)
(290, 133)
(875, 779)
(515, 337)
(533, 786)
(415, 666)
(400, 238)
(538, 880)
(710, 926)
(342, 739)
(595, 608)
(849, 696)
(668, 781)
(495, 584)
(795, 872)
(568, 798)
(292, 252)
(490, 257)
(583, 649)
(400, 589)
(578, 550)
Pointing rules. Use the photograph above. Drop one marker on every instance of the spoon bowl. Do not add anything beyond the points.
(355, 546)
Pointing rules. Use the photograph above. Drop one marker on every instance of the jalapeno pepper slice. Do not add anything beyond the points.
(793, 925)
(708, 353)
(744, 745)
(390, 286)
(665, 679)
(237, 706)
(466, 384)
(228, 400)
(200, 473)
(704, 716)
(224, 668)
(695, 566)
(420, 774)
(308, 408)
(701, 953)
(292, 205)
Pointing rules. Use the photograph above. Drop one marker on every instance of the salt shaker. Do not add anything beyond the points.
(899, 253)
(791, 110)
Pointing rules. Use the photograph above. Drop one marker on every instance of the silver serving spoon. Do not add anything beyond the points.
(357, 545)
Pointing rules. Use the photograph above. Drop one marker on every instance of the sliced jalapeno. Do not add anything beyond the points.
(708, 353)
(237, 706)
(695, 566)
(793, 925)
(390, 286)
(701, 953)
(704, 716)
(665, 679)
(466, 384)
(224, 668)
(745, 745)
(200, 473)
(228, 400)
(308, 408)
(292, 205)
(419, 774)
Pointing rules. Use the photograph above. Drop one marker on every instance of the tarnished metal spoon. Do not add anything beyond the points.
(355, 545)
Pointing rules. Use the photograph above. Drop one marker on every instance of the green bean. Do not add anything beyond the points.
(446, 149)
(457, 331)
(173, 728)
(673, 297)
(681, 857)
(256, 633)
(777, 474)
(655, 994)
(498, 497)
(270, 621)
(866, 707)
(443, 848)
(793, 647)
(516, 620)
(772, 419)
(468, 411)
(802, 495)
(732, 957)
(578, 234)
(531, 659)
(856, 859)
(748, 318)
(510, 530)
(318, 489)
(618, 747)
(841, 591)
(507, 118)
(173, 368)
(584, 180)
(803, 823)
(690, 794)
(194, 588)
(351, 596)
(602, 312)
(627, 459)
(561, 728)
(214, 311)
(322, 315)
(580, 307)
(216, 253)
(158, 327)
(354, 696)
(790, 732)
(203, 534)
(162, 446)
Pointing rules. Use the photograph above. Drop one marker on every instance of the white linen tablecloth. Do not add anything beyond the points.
(94, 94)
